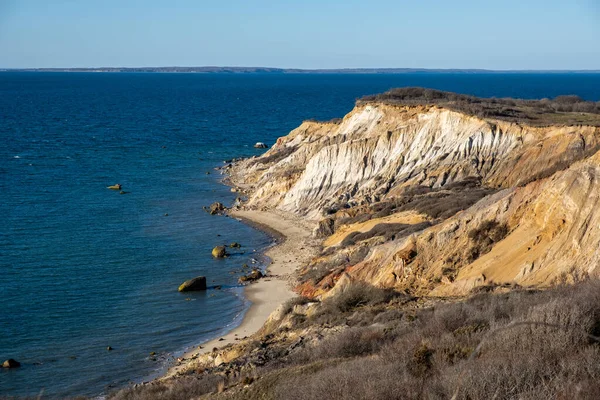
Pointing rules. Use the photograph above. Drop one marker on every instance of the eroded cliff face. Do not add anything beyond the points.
(434, 201)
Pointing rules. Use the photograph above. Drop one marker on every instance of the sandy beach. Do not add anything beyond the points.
(295, 247)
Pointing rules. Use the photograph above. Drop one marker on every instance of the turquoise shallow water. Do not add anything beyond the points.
(83, 267)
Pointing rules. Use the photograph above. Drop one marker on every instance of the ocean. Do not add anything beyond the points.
(83, 267)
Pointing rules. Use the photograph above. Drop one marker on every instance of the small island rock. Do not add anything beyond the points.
(10, 363)
(194, 284)
(219, 252)
(260, 145)
(216, 208)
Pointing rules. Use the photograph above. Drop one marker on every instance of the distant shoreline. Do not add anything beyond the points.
(268, 70)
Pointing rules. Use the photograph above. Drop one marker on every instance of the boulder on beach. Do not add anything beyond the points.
(219, 252)
(11, 363)
(260, 145)
(255, 275)
(194, 284)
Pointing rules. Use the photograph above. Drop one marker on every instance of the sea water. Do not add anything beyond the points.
(83, 267)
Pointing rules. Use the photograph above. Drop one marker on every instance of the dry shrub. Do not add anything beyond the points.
(357, 294)
(429, 356)
(427, 352)
(363, 379)
(335, 310)
(351, 342)
(483, 238)
(562, 109)
(294, 301)
(182, 388)
(316, 271)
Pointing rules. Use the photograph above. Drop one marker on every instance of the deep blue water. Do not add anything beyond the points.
(83, 267)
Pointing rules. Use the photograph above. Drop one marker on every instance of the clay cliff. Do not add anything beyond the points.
(469, 209)
(433, 200)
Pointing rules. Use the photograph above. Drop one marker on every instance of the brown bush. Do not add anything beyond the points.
(532, 344)
(334, 310)
(562, 110)
(183, 388)
(429, 356)
(483, 238)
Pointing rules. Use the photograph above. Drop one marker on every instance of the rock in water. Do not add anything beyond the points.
(219, 252)
(195, 284)
(260, 145)
(10, 363)
(216, 208)
(255, 275)
(235, 245)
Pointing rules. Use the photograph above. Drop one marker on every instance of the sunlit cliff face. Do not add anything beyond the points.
(396, 175)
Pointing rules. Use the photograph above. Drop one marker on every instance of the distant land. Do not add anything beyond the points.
(246, 70)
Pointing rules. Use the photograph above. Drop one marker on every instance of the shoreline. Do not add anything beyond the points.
(294, 248)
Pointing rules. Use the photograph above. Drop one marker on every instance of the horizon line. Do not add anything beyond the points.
(214, 69)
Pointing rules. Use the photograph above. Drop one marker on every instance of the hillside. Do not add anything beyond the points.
(435, 201)
(458, 258)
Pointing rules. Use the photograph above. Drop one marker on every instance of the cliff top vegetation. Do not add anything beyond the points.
(562, 110)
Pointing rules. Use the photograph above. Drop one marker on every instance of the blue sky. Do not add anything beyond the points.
(508, 34)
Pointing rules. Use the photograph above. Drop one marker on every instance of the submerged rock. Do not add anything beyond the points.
(235, 245)
(194, 284)
(11, 363)
(219, 252)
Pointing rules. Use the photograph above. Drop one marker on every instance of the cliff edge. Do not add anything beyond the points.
(439, 197)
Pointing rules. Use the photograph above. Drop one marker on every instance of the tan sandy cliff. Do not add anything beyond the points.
(430, 200)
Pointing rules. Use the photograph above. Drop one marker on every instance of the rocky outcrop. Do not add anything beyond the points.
(195, 284)
(435, 201)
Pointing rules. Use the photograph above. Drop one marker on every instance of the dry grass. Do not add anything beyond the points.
(562, 110)
(185, 388)
(483, 238)
(426, 355)
(389, 347)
